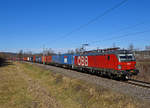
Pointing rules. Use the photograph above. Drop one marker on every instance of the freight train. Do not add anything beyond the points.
(111, 62)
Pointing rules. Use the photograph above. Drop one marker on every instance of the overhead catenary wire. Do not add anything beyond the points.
(112, 38)
(92, 20)
(121, 36)
(129, 27)
(122, 29)
(118, 37)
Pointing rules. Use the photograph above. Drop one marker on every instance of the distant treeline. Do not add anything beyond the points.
(142, 53)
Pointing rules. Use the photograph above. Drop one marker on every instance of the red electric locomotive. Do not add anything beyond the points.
(112, 62)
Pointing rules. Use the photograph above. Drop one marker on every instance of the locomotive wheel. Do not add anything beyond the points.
(125, 77)
(112, 76)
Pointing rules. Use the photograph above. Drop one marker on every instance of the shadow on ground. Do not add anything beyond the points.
(4, 62)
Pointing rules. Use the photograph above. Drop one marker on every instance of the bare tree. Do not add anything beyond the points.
(77, 51)
(49, 52)
(80, 50)
(20, 54)
(70, 52)
(29, 53)
(147, 48)
(59, 53)
(131, 47)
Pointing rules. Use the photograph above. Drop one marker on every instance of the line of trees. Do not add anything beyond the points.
(46, 52)
(49, 51)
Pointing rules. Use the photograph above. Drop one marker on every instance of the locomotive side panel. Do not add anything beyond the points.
(97, 61)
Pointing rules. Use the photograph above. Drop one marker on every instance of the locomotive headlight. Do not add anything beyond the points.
(119, 66)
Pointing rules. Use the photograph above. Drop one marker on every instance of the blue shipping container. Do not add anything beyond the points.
(63, 59)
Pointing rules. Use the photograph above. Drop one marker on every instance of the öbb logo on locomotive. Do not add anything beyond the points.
(82, 60)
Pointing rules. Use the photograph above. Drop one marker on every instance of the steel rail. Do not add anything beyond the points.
(138, 83)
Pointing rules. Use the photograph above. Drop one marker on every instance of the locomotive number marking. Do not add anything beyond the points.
(82, 60)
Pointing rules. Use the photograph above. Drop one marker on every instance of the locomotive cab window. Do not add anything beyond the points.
(126, 57)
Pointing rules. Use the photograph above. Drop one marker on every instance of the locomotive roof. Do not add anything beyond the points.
(107, 52)
(99, 52)
(115, 51)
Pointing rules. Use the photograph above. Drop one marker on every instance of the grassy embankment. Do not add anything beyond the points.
(29, 86)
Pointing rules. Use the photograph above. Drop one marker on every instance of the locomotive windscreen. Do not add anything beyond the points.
(126, 57)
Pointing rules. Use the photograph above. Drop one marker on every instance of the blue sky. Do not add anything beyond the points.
(30, 24)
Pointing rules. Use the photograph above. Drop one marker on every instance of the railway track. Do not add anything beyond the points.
(134, 82)
(139, 83)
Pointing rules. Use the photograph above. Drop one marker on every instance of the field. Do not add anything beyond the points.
(24, 85)
(144, 68)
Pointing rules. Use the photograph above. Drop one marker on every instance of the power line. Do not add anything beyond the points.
(93, 20)
(118, 37)
(130, 27)
(126, 28)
